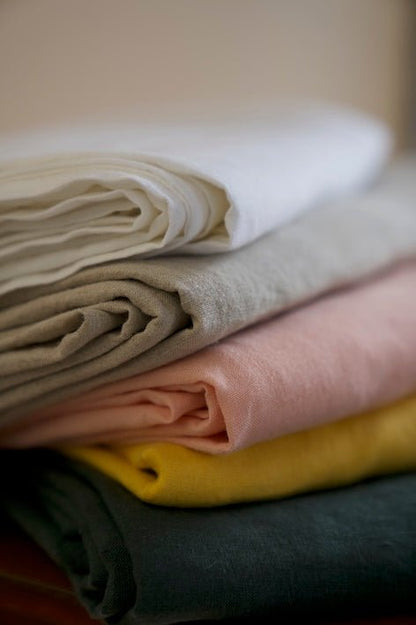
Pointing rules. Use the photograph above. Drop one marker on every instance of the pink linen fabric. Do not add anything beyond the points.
(343, 354)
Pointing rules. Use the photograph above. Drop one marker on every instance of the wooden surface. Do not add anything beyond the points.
(33, 591)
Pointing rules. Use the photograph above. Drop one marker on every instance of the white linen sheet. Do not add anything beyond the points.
(79, 197)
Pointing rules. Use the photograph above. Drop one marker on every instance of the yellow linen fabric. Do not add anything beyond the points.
(380, 442)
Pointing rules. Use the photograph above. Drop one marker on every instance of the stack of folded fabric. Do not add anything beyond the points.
(227, 430)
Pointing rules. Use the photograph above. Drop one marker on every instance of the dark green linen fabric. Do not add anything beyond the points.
(346, 551)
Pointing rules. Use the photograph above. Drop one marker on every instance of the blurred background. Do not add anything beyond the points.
(78, 60)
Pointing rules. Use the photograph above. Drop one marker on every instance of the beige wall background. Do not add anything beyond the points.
(63, 60)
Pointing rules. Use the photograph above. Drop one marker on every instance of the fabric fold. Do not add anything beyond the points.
(88, 196)
(345, 353)
(349, 551)
(110, 322)
(383, 442)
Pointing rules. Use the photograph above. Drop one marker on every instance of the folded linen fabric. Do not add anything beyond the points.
(88, 197)
(340, 453)
(343, 354)
(113, 321)
(351, 550)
